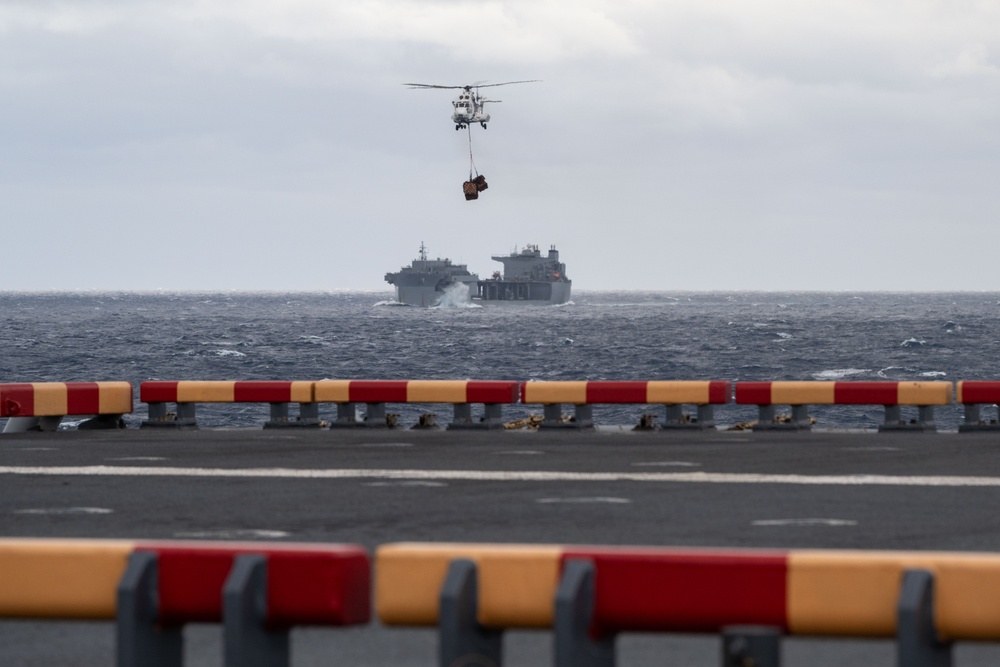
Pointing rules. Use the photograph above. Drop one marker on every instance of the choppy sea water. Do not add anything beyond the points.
(598, 336)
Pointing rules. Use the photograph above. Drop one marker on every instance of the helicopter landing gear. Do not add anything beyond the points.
(460, 126)
(484, 125)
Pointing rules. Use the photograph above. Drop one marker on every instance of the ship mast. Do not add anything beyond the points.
(423, 252)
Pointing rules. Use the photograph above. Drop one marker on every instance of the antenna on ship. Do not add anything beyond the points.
(423, 252)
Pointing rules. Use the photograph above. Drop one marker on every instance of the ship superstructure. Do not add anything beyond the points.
(426, 281)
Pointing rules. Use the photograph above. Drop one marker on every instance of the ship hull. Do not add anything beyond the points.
(428, 291)
(523, 292)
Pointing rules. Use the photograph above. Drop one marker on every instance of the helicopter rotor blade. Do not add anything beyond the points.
(415, 86)
(469, 86)
(506, 83)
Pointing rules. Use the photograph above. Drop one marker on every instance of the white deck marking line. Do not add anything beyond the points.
(506, 476)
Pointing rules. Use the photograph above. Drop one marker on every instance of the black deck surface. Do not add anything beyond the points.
(913, 491)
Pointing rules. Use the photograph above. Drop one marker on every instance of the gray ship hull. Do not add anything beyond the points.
(429, 295)
(519, 292)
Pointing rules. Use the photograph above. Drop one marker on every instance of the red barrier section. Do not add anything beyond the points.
(262, 392)
(696, 591)
(17, 400)
(866, 393)
(718, 391)
(616, 392)
(305, 586)
(479, 391)
(753, 393)
(83, 398)
(978, 391)
(158, 391)
(378, 391)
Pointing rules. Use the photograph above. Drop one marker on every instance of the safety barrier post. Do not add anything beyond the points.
(463, 641)
(759, 646)
(583, 416)
(574, 645)
(141, 640)
(308, 416)
(895, 422)
(676, 419)
(247, 642)
(917, 641)
(492, 418)
(973, 394)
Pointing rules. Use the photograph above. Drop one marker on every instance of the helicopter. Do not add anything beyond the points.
(470, 106)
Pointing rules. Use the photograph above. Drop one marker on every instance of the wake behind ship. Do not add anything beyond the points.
(528, 278)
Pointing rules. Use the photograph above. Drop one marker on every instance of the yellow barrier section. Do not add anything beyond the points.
(61, 578)
(548, 393)
(332, 391)
(802, 393)
(207, 391)
(436, 391)
(967, 596)
(302, 391)
(517, 583)
(676, 392)
(924, 393)
(115, 398)
(51, 399)
(857, 592)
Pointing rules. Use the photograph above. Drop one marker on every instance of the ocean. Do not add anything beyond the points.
(88, 336)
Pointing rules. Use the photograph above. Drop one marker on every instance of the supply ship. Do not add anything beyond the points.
(425, 281)
(528, 277)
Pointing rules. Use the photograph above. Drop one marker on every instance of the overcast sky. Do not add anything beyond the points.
(689, 145)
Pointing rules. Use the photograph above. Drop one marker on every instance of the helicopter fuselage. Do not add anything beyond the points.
(468, 109)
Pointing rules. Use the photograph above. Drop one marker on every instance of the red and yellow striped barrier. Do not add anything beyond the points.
(670, 393)
(307, 584)
(187, 394)
(843, 393)
(416, 391)
(460, 393)
(800, 395)
(694, 392)
(216, 391)
(60, 399)
(803, 592)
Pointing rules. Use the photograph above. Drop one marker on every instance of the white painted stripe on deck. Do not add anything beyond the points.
(505, 476)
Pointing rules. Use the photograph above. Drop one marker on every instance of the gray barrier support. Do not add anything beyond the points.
(917, 641)
(574, 647)
(751, 646)
(141, 640)
(462, 640)
(247, 642)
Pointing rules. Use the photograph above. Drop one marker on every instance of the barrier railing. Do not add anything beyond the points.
(43, 405)
(800, 395)
(473, 593)
(186, 395)
(673, 395)
(588, 595)
(257, 591)
(375, 394)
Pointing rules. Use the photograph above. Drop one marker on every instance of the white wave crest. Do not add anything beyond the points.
(456, 295)
(228, 353)
(839, 373)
